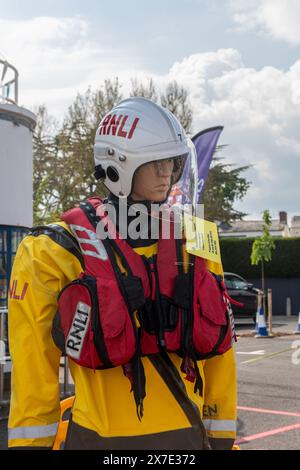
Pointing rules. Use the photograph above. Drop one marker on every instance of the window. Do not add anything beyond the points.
(239, 283)
(229, 282)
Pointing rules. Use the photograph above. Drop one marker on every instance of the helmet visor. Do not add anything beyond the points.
(153, 180)
(183, 192)
(169, 180)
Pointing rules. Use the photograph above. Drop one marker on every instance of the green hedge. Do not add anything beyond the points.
(285, 262)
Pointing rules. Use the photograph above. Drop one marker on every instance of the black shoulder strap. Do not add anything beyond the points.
(108, 243)
(62, 237)
(170, 375)
(138, 373)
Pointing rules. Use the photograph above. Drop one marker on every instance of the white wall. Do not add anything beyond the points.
(16, 166)
(249, 234)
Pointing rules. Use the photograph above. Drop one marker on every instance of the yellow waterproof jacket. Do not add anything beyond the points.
(103, 402)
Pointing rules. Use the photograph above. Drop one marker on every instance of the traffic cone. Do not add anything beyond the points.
(256, 321)
(259, 303)
(297, 332)
(262, 329)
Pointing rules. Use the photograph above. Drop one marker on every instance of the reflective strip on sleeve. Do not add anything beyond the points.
(33, 432)
(219, 425)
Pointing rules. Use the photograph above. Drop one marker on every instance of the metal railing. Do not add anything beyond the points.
(4, 359)
(9, 83)
(5, 367)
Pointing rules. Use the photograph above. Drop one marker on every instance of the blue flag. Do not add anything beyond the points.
(205, 143)
(184, 191)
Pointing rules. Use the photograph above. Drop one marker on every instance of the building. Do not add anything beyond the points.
(253, 228)
(295, 226)
(16, 190)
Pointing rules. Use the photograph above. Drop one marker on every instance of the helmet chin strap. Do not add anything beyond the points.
(152, 212)
(115, 201)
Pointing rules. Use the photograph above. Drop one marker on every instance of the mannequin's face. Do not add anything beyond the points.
(152, 181)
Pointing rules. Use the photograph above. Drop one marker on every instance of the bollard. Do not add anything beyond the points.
(270, 319)
(288, 307)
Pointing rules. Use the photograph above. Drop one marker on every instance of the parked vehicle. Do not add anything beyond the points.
(242, 291)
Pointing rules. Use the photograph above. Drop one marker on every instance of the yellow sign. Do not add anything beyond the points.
(202, 238)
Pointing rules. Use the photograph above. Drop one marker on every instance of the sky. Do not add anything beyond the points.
(238, 59)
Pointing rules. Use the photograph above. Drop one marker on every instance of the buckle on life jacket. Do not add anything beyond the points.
(127, 370)
(135, 372)
(192, 374)
(225, 292)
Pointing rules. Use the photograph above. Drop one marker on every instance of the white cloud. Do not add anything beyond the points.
(58, 57)
(278, 18)
(261, 114)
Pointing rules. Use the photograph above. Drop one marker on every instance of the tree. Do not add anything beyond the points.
(105, 98)
(147, 90)
(262, 249)
(175, 99)
(223, 187)
(44, 158)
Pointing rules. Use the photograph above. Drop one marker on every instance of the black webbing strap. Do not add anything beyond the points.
(138, 373)
(170, 375)
(61, 236)
(108, 242)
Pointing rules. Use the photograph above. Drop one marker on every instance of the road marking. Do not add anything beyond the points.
(262, 410)
(266, 357)
(255, 353)
(272, 432)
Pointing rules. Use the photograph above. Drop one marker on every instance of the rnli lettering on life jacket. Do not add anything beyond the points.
(89, 243)
(78, 330)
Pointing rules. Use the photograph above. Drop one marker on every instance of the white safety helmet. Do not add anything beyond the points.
(135, 132)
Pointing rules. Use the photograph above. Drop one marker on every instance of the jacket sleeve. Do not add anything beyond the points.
(220, 400)
(41, 268)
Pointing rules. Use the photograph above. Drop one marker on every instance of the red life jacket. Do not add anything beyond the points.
(177, 311)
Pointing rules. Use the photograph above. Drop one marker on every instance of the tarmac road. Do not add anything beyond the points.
(269, 384)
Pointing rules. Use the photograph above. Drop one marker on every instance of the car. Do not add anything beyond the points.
(242, 291)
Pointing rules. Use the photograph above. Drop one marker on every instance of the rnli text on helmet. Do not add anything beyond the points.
(114, 125)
